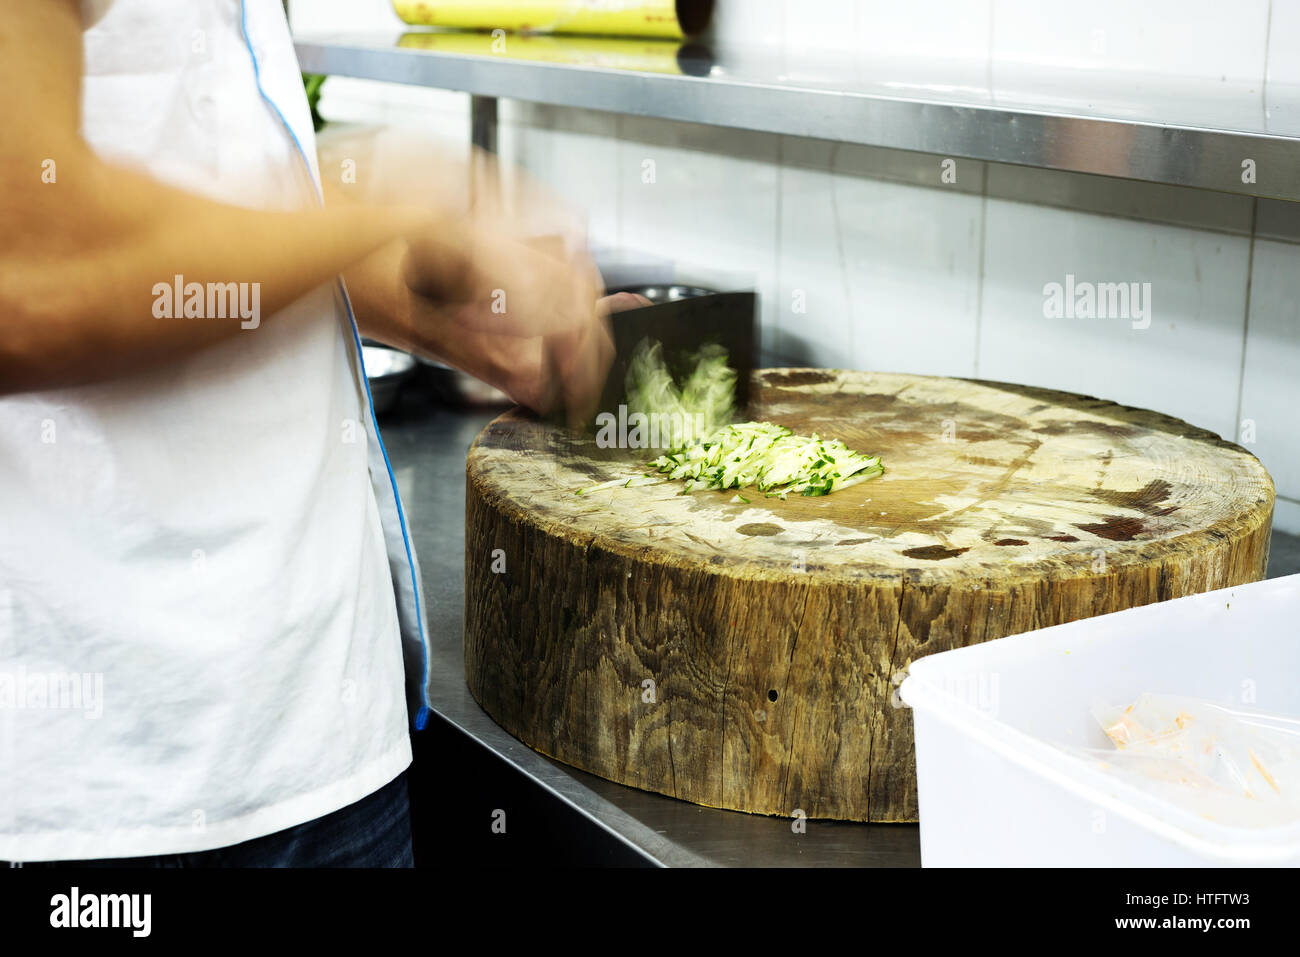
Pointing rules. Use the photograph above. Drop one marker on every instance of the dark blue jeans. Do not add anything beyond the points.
(374, 832)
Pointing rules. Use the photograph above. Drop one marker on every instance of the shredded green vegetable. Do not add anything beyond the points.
(620, 483)
(710, 453)
(697, 409)
(770, 458)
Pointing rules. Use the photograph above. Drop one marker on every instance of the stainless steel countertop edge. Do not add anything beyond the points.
(609, 817)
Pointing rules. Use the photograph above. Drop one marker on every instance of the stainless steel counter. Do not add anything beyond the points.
(427, 447)
(1180, 131)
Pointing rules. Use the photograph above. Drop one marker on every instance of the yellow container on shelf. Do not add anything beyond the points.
(618, 53)
(669, 19)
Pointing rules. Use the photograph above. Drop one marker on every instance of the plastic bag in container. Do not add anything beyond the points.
(1232, 766)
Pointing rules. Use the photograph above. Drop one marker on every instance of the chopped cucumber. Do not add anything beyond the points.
(770, 458)
(715, 455)
(702, 404)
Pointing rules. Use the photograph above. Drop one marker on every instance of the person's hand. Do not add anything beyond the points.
(477, 287)
(521, 369)
(536, 291)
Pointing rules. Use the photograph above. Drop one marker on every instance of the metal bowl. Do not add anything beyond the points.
(658, 293)
(387, 370)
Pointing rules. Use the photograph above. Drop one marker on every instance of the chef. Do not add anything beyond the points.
(209, 601)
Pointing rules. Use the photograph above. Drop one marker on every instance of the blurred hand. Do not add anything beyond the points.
(536, 291)
(499, 280)
(532, 371)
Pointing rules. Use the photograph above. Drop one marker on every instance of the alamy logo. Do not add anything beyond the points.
(1100, 300)
(179, 299)
(74, 909)
(654, 430)
(22, 690)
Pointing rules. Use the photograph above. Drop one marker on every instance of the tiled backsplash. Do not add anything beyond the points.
(1238, 41)
(864, 258)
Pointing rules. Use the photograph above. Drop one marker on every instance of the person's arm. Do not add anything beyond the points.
(81, 255)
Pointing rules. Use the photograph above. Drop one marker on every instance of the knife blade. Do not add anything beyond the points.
(682, 327)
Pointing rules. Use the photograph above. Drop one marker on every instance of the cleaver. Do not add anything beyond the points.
(682, 319)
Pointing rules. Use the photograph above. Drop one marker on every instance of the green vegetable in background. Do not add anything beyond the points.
(312, 83)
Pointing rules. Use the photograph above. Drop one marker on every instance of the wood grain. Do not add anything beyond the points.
(744, 655)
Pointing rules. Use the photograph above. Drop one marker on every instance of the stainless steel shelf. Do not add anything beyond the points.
(1179, 132)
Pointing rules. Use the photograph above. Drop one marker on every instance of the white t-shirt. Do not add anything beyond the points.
(206, 586)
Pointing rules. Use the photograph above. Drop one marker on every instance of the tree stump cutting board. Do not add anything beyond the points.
(745, 655)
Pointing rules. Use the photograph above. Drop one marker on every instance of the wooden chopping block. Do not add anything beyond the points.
(745, 655)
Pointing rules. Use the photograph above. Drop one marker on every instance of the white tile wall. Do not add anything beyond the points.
(1270, 388)
(1186, 363)
(705, 197)
(761, 22)
(1177, 37)
(886, 274)
(818, 25)
(1284, 42)
(929, 29)
(924, 29)
(573, 152)
(1283, 67)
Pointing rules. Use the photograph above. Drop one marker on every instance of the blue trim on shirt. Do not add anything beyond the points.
(422, 714)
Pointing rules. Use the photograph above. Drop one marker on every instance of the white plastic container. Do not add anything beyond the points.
(994, 788)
